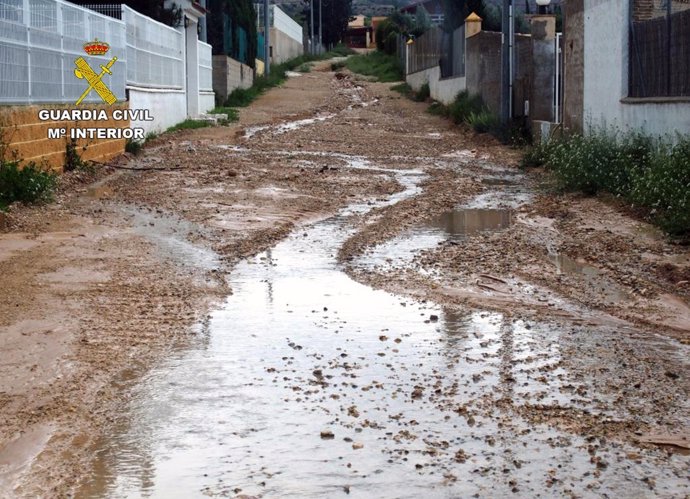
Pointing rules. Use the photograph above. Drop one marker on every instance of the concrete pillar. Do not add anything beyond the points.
(473, 25)
(192, 67)
(543, 67)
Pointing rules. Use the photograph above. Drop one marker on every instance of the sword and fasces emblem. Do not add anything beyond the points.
(84, 72)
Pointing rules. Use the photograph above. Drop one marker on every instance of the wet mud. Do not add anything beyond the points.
(339, 296)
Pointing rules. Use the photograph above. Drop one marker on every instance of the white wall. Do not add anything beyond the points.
(207, 101)
(166, 107)
(443, 91)
(606, 77)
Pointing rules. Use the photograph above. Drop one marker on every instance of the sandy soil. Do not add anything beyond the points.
(124, 265)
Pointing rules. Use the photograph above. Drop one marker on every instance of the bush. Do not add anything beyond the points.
(647, 173)
(465, 105)
(29, 184)
(483, 122)
(423, 94)
(133, 146)
(664, 187)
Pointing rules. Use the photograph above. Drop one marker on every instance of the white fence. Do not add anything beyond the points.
(155, 52)
(205, 67)
(282, 22)
(39, 42)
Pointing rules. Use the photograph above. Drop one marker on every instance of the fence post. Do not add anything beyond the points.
(26, 6)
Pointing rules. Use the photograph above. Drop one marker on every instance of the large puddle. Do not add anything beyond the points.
(307, 384)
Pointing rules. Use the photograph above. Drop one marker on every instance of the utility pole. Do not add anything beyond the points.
(321, 29)
(267, 40)
(311, 25)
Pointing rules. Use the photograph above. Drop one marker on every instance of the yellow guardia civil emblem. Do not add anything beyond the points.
(84, 72)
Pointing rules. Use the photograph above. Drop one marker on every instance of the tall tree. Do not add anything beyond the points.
(336, 15)
(456, 11)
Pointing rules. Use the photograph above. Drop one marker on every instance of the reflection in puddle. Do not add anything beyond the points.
(465, 222)
(594, 277)
(455, 225)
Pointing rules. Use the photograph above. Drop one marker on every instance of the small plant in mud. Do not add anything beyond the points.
(73, 159)
(133, 146)
(464, 106)
(304, 68)
(27, 184)
(647, 173)
(483, 122)
(422, 94)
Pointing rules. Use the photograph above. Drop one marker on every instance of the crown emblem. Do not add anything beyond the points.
(96, 47)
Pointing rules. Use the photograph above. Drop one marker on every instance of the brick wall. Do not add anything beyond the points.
(229, 74)
(27, 136)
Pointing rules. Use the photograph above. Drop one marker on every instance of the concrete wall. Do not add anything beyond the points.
(483, 68)
(207, 101)
(284, 47)
(167, 107)
(442, 90)
(229, 74)
(606, 77)
(27, 136)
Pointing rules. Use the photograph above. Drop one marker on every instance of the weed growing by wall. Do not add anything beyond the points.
(648, 173)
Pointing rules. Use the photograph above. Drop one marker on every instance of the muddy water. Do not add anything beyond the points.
(307, 384)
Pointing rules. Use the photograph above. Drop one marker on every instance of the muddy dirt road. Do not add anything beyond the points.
(340, 295)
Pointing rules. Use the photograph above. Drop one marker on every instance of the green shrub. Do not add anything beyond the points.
(664, 187)
(133, 146)
(438, 109)
(29, 184)
(483, 122)
(464, 105)
(402, 88)
(335, 66)
(647, 173)
(423, 93)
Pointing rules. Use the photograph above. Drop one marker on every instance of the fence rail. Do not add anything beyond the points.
(205, 67)
(39, 42)
(425, 52)
(155, 52)
(659, 64)
(452, 59)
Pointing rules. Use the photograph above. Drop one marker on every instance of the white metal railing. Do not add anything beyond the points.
(155, 52)
(282, 22)
(39, 42)
(205, 67)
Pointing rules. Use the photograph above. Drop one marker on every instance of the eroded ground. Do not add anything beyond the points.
(339, 295)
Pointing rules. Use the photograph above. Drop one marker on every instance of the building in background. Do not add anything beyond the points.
(285, 36)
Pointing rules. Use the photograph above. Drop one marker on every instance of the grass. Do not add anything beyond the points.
(651, 174)
(421, 95)
(189, 125)
(28, 184)
(232, 114)
(384, 67)
(304, 68)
